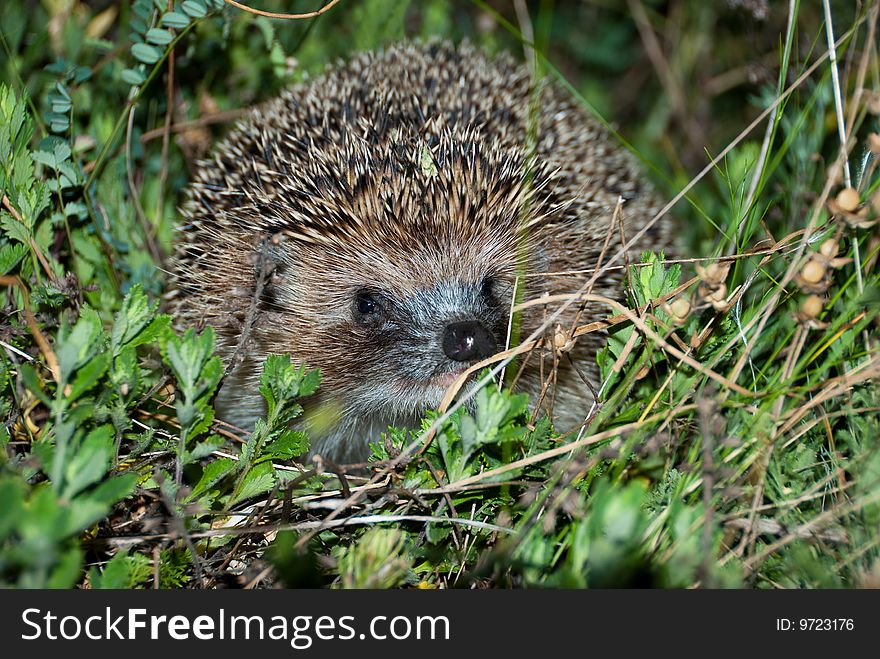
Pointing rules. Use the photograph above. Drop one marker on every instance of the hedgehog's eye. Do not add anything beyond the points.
(367, 306)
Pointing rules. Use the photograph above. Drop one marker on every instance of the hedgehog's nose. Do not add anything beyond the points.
(468, 340)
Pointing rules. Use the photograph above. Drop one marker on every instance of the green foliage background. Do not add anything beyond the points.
(115, 472)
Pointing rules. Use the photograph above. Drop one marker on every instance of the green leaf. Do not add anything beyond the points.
(258, 480)
(214, 472)
(58, 123)
(137, 322)
(94, 505)
(88, 464)
(281, 382)
(146, 53)
(436, 533)
(76, 209)
(426, 163)
(67, 571)
(124, 570)
(133, 76)
(174, 19)
(61, 150)
(14, 229)
(89, 375)
(10, 255)
(61, 105)
(194, 8)
(142, 8)
(45, 158)
(495, 410)
(81, 343)
(289, 444)
(114, 576)
(159, 37)
(113, 489)
(187, 356)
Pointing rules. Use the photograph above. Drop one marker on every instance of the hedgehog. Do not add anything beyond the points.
(379, 221)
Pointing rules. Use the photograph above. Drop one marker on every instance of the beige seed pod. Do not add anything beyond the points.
(813, 272)
(829, 248)
(718, 294)
(714, 273)
(680, 309)
(717, 297)
(812, 306)
(848, 199)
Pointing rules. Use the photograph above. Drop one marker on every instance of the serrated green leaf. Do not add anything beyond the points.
(15, 229)
(310, 383)
(125, 370)
(89, 462)
(289, 444)
(69, 176)
(44, 158)
(10, 255)
(134, 315)
(188, 356)
(82, 343)
(114, 575)
(280, 383)
(258, 480)
(76, 209)
(124, 570)
(494, 410)
(214, 472)
(61, 150)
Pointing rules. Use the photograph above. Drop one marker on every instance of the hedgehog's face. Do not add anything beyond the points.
(394, 341)
(419, 343)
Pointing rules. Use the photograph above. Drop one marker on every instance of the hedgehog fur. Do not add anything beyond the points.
(374, 223)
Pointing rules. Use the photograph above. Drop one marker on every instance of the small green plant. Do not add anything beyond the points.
(252, 473)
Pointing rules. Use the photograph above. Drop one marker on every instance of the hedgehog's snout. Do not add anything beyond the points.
(468, 340)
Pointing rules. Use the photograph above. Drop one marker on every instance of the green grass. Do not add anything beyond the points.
(736, 444)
